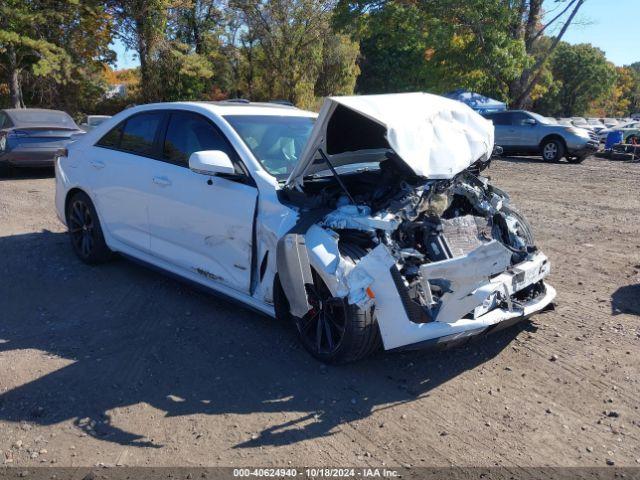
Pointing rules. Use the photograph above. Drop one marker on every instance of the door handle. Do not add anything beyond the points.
(162, 181)
(97, 164)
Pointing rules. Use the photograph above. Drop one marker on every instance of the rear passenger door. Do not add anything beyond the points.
(119, 172)
(200, 223)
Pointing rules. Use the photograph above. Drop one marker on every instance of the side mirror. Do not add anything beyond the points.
(530, 121)
(211, 162)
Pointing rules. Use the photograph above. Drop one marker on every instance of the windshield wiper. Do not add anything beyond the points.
(335, 174)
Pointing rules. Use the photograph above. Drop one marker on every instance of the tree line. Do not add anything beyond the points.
(58, 53)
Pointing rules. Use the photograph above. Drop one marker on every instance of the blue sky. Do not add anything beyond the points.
(610, 25)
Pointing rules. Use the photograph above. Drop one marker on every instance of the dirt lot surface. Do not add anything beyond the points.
(121, 365)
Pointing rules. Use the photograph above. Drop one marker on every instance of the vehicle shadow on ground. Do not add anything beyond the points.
(28, 174)
(530, 160)
(626, 300)
(135, 337)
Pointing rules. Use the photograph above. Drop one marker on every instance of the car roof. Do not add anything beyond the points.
(237, 107)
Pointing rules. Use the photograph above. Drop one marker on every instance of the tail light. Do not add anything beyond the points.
(3, 141)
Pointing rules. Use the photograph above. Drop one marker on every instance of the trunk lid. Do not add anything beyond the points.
(43, 136)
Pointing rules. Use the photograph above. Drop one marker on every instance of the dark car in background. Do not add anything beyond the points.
(520, 132)
(31, 137)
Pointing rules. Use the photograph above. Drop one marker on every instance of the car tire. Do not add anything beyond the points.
(5, 170)
(552, 150)
(85, 231)
(333, 331)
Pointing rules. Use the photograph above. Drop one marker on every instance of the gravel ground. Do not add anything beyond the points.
(120, 365)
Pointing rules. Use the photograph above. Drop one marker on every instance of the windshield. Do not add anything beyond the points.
(47, 118)
(540, 118)
(276, 142)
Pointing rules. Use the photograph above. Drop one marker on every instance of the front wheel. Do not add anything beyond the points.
(333, 331)
(552, 150)
(85, 231)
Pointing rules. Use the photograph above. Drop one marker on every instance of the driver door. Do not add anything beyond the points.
(201, 223)
(524, 130)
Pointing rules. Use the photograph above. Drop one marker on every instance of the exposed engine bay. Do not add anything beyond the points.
(442, 242)
(395, 218)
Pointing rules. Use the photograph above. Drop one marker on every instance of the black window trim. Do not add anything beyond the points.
(235, 157)
(160, 137)
(154, 150)
(7, 122)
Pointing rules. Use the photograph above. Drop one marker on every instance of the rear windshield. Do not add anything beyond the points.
(275, 141)
(44, 118)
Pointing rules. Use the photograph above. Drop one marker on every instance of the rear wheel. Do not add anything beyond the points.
(552, 150)
(85, 231)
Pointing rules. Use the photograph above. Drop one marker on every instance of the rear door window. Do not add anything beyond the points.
(112, 138)
(140, 132)
(500, 118)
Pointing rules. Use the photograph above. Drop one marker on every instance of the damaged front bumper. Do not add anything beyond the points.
(457, 332)
(483, 291)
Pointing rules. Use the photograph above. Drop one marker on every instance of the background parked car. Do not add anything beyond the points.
(627, 128)
(30, 137)
(595, 124)
(581, 123)
(93, 121)
(520, 132)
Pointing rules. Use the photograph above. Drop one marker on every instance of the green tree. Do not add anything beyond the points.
(177, 73)
(496, 47)
(23, 46)
(47, 56)
(581, 73)
(394, 47)
(338, 71)
(290, 35)
(142, 25)
(622, 99)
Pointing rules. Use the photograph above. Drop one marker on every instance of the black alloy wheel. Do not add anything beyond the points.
(85, 231)
(322, 329)
(81, 228)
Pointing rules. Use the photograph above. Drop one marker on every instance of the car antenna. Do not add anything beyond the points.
(335, 174)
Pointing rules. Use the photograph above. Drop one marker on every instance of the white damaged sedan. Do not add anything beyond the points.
(366, 227)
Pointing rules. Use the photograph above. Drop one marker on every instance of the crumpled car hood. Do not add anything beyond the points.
(435, 136)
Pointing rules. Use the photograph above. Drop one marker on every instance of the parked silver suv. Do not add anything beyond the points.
(520, 132)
